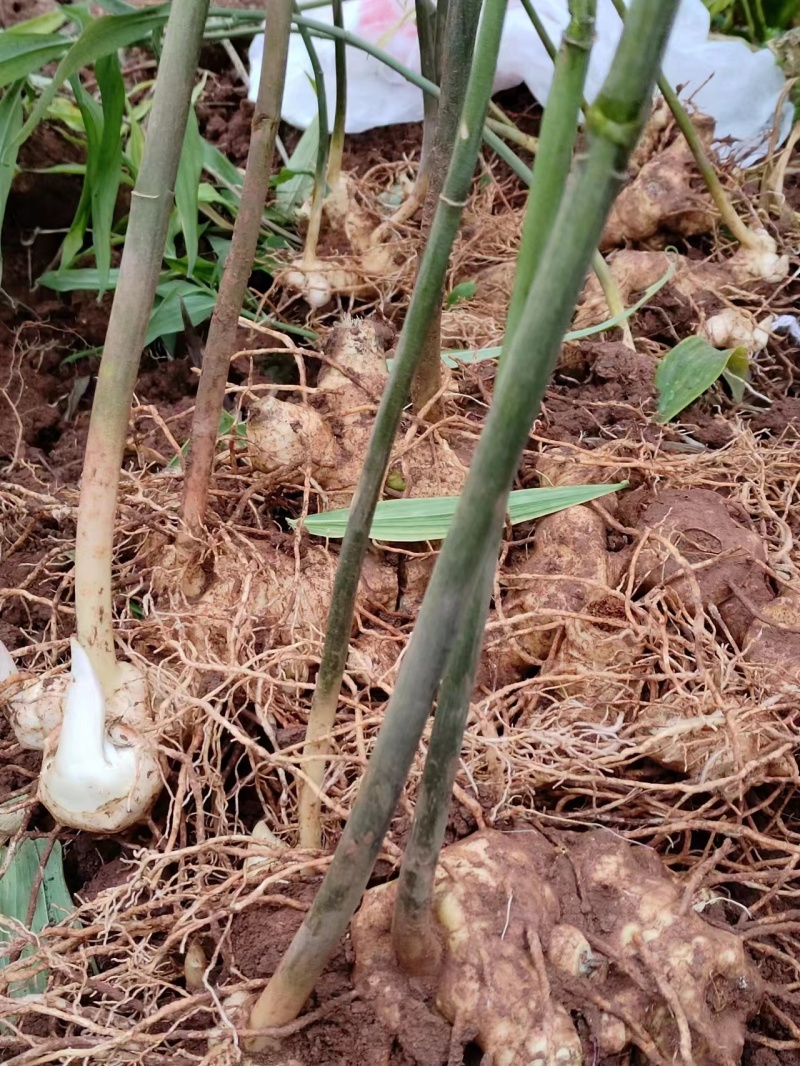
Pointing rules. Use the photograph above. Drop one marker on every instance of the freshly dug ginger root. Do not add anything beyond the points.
(535, 933)
(569, 575)
(666, 195)
(331, 434)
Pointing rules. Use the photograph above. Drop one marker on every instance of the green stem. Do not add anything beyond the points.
(614, 124)
(301, 966)
(513, 134)
(462, 25)
(556, 143)
(738, 229)
(424, 301)
(340, 114)
(416, 944)
(318, 196)
(599, 266)
(151, 205)
(238, 266)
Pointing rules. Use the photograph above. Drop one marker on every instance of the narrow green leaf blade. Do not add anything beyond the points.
(23, 53)
(106, 171)
(166, 317)
(187, 185)
(685, 373)
(399, 521)
(291, 194)
(101, 37)
(10, 124)
(53, 901)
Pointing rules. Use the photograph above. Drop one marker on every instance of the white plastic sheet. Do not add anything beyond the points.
(721, 77)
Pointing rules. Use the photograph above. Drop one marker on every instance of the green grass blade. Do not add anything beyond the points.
(81, 279)
(296, 189)
(107, 171)
(166, 317)
(92, 115)
(398, 521)
(10, 124)
(23, 53)
(102, 37)
(103, 125)
(688, 370)
(47, 24)
(186, 187)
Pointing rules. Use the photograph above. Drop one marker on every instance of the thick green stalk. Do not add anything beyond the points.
(737, 227)
(556, 143)
(599, 266)
(299, 969)
(614, 124)
(340, 114)
(151, 205)
(320, 172)
(238, 265)
(462, 25)
(416, 945)
(423, 305)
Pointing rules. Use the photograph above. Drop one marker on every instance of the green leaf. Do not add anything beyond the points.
(82, 279)
(102, 37)
(49, 23)
(465, 290)
(187, 185)
(166, 317)
(399, 521)
(688, 370)
(103, 165)
(53, 901)
(737, 373)
(10, 123)
(290, 195)
(23, 53)
(221, 167)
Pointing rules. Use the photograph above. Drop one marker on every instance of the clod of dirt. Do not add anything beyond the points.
(667, 196)
(699, 550)
(772, 642)
(563, 601)
(536, 934)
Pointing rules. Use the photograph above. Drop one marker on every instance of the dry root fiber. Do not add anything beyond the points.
(557, 951)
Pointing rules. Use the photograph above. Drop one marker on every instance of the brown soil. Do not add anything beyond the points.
(602, 400)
